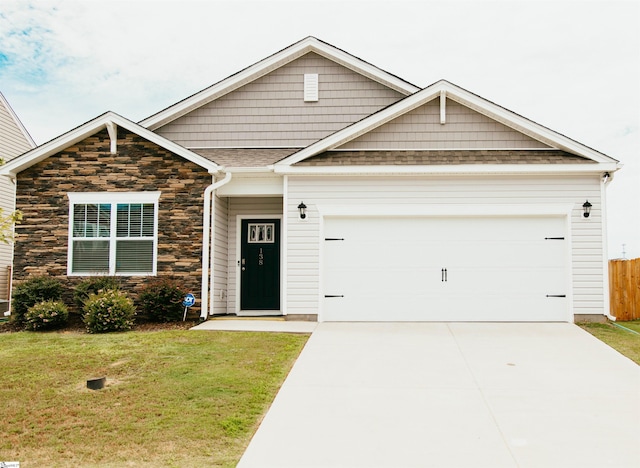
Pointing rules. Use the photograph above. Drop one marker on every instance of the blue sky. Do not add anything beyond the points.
(573, 66)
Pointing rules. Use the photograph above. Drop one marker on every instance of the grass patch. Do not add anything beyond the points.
(173, 398)
(622, 340)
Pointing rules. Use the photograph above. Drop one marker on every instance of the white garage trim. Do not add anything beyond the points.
(558, 209)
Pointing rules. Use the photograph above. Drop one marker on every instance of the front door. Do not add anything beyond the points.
(260, 264)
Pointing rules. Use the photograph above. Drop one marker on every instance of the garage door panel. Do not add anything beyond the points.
(393, 269)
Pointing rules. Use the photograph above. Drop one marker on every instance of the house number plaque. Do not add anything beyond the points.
(260, 258)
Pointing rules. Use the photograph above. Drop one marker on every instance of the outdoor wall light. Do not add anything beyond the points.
(587, 209)
(302, 208)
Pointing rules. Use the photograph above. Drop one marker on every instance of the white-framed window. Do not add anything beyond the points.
(261, 233)
(113, 233)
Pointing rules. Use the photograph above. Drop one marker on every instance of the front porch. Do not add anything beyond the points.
(247, 256)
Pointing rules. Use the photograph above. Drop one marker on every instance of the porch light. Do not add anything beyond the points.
(302, 208)
(587, 209)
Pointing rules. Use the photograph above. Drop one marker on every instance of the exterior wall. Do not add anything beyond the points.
(303, 269)
(13, 143)
(250, 206)
(42, 239)
(220, 260)
(270, 111)
(464, 129)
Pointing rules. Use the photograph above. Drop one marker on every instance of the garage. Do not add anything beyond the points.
(472, 268)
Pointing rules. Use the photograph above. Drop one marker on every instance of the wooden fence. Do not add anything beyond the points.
(624, 289)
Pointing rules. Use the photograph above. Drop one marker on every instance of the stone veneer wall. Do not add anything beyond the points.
(139, 165)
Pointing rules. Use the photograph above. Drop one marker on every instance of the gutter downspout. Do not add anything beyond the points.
(207, 222)
(604, 181)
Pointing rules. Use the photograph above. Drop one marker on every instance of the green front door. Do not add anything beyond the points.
(260, 264)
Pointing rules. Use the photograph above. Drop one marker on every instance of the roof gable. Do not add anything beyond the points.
(110, 121)
(445, 89)
(271, 112)
(422, 129)
(267, 65)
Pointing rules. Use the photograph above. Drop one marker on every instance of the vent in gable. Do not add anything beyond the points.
(310, 87)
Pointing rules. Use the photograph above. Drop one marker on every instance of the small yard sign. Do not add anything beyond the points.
(188, 301)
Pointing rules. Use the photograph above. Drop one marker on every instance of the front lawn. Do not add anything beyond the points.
(173, 398)
(624, 341)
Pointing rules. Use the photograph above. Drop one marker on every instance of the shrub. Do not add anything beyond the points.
(161, 300)
(108, 311)
(34, 290)
(46, 315)
(93, 285)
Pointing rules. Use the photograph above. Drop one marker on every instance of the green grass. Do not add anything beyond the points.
(173, 398)
(624, 341)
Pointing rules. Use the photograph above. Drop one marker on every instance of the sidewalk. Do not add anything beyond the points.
(275, 325)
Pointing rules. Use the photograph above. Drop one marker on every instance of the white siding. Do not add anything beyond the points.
(221, 256)
(464, 129)
(244, 207)
(271, 111)
(304, 236)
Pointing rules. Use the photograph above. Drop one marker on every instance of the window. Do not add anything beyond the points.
(260, 234)
(113, 233)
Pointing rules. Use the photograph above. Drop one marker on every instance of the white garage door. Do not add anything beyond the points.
(445, 269)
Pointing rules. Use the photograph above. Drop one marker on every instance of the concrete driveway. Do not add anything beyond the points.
(453, 395)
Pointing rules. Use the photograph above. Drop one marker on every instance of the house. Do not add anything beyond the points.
(317, 186)
(14, 140)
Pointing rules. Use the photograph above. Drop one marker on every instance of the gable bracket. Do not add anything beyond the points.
(113, 136)
(443, 107)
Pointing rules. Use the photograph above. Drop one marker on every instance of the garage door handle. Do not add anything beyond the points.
(556, 295)
(332, 295)
(444, 275)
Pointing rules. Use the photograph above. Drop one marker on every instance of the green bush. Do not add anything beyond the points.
(34, 290)
(46, 315)
(93, 285)
(161, 300)
(109, 311)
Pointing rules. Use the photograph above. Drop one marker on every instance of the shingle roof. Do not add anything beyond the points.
(245, 157)
(442, 157)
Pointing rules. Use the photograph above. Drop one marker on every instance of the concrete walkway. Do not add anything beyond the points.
(278, 326)
(453, 395)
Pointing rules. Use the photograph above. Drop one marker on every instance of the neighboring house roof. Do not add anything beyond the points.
(108, 120)
(277, 60)
(446, 89)
(15, 139)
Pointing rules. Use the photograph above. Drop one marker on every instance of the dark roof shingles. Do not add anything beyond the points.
(442, 157)
(245, 157)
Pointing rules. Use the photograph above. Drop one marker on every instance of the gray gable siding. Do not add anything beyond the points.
(464, 129)
(271, 112)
